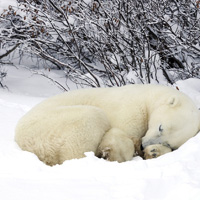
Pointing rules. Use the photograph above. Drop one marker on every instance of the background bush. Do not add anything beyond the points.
(107, 42)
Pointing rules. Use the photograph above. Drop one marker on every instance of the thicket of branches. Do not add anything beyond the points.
(112, 42)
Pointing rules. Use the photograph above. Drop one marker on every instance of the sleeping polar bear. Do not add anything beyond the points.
(111, 122)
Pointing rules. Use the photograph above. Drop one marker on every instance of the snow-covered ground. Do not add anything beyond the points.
(23, 177)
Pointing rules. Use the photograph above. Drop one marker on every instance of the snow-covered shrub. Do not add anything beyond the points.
(111, 42)
(2, 76)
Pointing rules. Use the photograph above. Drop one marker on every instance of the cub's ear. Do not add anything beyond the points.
(173, 101)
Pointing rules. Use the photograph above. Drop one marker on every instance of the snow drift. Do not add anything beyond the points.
(175, 175)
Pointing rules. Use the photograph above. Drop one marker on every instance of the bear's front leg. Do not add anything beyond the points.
(116, 146)
(155, 150)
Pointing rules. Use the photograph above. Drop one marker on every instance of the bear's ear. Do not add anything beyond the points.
(173, 101)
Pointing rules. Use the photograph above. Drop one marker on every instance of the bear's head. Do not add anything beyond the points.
(172, 123)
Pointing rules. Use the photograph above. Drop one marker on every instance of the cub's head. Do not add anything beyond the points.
(172, 123)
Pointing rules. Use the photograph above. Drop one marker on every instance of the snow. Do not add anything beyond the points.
(4, 4)
(175, 175)
(31, 82)
(87, 1)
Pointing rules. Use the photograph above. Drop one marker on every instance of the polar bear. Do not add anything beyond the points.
(109, 122)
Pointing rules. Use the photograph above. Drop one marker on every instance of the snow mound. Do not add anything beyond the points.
(175, 175)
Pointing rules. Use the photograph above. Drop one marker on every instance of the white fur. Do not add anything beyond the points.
(116, 146)
(60, 133)
(155, 150)
(67, 125)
